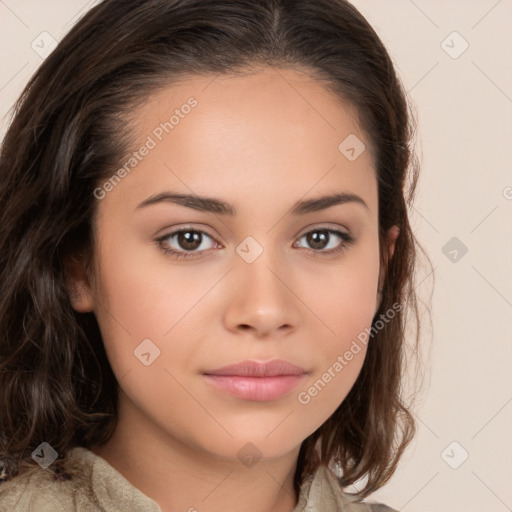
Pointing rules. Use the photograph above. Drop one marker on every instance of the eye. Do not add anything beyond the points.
(188, 240)
(322, 238)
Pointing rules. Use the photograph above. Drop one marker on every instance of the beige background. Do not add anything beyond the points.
(464, 105)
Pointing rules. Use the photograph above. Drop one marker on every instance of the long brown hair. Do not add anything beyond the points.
(70, 130)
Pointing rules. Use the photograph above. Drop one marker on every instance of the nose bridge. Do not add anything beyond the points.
(258, 275)
(260, 299)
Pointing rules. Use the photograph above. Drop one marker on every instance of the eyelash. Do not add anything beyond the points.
(346, 238)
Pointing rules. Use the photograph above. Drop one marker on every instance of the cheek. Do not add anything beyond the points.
(343, 296)
(145, 293)
(148, 323)
(346, 307)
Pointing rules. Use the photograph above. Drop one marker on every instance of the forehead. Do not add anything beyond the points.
(263, 101)
(274, 128)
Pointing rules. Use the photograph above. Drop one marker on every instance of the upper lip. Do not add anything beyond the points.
(272, 368)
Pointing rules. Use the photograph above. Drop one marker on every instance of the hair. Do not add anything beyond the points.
(70, 130)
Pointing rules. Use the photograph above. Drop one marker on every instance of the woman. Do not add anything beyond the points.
(206, 262)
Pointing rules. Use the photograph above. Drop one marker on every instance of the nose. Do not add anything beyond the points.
(261, 299)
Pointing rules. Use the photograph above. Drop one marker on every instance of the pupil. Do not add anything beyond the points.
(189, 240)
(317, 239)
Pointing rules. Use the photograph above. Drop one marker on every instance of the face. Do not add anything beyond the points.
(259, 278)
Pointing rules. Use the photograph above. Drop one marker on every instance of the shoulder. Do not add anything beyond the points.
(323, 493)
(87, 483)
(45, 490)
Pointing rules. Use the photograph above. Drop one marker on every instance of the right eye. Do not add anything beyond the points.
(187, 242)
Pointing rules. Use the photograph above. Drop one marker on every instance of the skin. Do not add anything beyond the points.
(260, 142)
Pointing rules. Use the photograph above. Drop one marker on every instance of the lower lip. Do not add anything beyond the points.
(259, 389)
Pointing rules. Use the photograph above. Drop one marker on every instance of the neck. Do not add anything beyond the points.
(180, 476)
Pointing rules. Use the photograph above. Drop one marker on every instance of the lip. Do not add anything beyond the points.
(253, 380)
(274, 368)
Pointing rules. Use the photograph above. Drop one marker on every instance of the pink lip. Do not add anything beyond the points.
(273, 368)
(260, 389)
(256, 381)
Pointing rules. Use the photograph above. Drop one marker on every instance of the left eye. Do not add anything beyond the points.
(320, 238)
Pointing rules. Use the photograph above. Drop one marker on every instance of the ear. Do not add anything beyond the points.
(78, 283)
(392, 235)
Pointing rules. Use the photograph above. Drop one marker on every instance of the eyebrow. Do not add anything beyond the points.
(213, 205)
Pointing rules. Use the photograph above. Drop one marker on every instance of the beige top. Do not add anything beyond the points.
(97, 487)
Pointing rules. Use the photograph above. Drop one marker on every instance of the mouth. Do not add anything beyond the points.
(260, 382)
